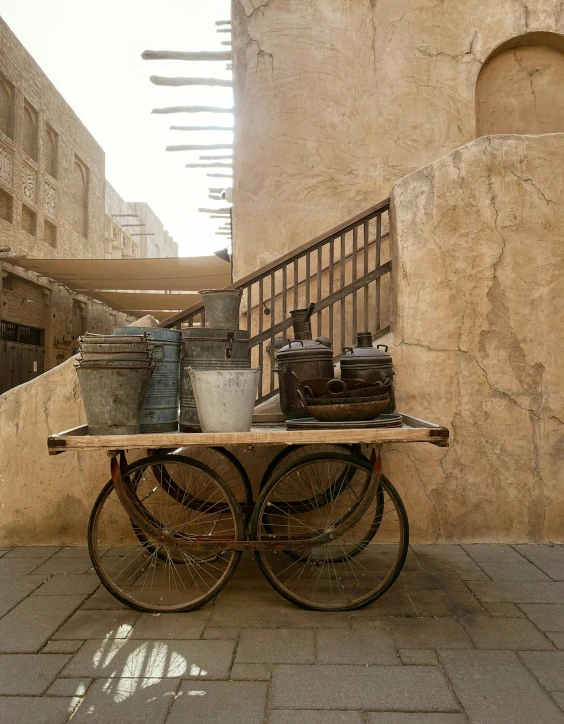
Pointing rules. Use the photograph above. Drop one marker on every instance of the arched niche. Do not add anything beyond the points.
(520, 88)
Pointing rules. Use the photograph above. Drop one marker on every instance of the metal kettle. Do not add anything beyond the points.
(302, 358)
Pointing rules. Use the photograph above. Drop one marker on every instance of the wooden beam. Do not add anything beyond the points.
(226, 42)
(220, 175)
(225, 210)
(223, 22)
(219, 216)
(201, 128)
(180, 81)
(192, 109)
(223, 30)
(215, 158)
(181, 55)
(195, 147)
(208, 165)
(216, 190)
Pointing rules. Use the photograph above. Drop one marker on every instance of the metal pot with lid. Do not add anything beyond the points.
(302, 358)
(372, 364)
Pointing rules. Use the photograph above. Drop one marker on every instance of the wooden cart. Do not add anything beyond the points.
(328, 529)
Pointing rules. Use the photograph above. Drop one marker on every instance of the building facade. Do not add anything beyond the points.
(54, 203)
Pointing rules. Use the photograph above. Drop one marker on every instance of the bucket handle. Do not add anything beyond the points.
(158, 349)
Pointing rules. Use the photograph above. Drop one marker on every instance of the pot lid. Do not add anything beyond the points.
(304, 347)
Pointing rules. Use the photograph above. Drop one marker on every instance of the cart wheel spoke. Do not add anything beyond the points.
(184, 497)
(311, 496)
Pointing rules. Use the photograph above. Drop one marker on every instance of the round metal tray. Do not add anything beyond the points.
(393, 419)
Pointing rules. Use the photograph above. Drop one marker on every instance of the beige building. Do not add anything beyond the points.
(54, 203)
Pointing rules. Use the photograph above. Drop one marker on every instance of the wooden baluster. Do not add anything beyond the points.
(342, 281)
(272, 323)
(331, 269)
(307, 279)
(249, 309)
(366, 326)
(284, 300)
(378, 248)
(319, 279)
(260, 306)
(354, 278)
(296, 285)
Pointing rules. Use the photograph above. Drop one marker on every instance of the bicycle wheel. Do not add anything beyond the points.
(147, 574)
(314, 495)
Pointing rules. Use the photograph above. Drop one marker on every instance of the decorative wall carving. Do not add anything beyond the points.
(50, 201)
(29, 183)
(5, 165)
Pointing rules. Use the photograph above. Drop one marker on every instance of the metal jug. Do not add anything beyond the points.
(369, 363)
(303, 357)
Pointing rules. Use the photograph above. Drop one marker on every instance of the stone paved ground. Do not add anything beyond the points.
(469, 634)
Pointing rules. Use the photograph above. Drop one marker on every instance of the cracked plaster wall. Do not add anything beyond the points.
(336, 101)
(478, 345)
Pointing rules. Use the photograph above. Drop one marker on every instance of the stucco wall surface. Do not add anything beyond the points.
(46, 499)
(336, 101)
(478, 344)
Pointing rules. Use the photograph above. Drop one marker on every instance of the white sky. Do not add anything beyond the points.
(92, 54)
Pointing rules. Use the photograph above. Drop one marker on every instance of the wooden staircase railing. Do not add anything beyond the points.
(345, 271)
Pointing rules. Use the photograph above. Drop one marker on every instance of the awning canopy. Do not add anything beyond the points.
(142, 302)
(182, 274)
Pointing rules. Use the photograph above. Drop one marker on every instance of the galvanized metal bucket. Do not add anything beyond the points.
(208, 349)
(222, 308)
(113, 398)
(160, 412)
(225, 398)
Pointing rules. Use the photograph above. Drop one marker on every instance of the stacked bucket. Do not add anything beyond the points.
(218, 346)
(114, 374)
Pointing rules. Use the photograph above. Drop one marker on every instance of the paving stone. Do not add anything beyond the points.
(395, 602)
(251, 672)
(517, 592)
(276, 646)
(32, 552)
(72, 552)
(15, 589)
(547, 667)
(550, 559)
(215, 634)
(35, 710)
(400, 688)
(418, 657)
(503, 563)
(28, 626)
(371, 646)
(495, 687)
(428, 633)
(446, 603)
(215, 702)
(127, 701)
(65, 585)
(170, 625)
(546, 616)
(503, 610)
(20, 566)
(558, 697)
(273, 614)
(482, 552)
(432, 581)
(65, 566)
(443, 557)
(185, 659)
(29, 674)
(401, 718)
(556, 637)
(279, 716)
(103, 600)
(62, 647)
(69, 687)
(504, 633)
(98, 625)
